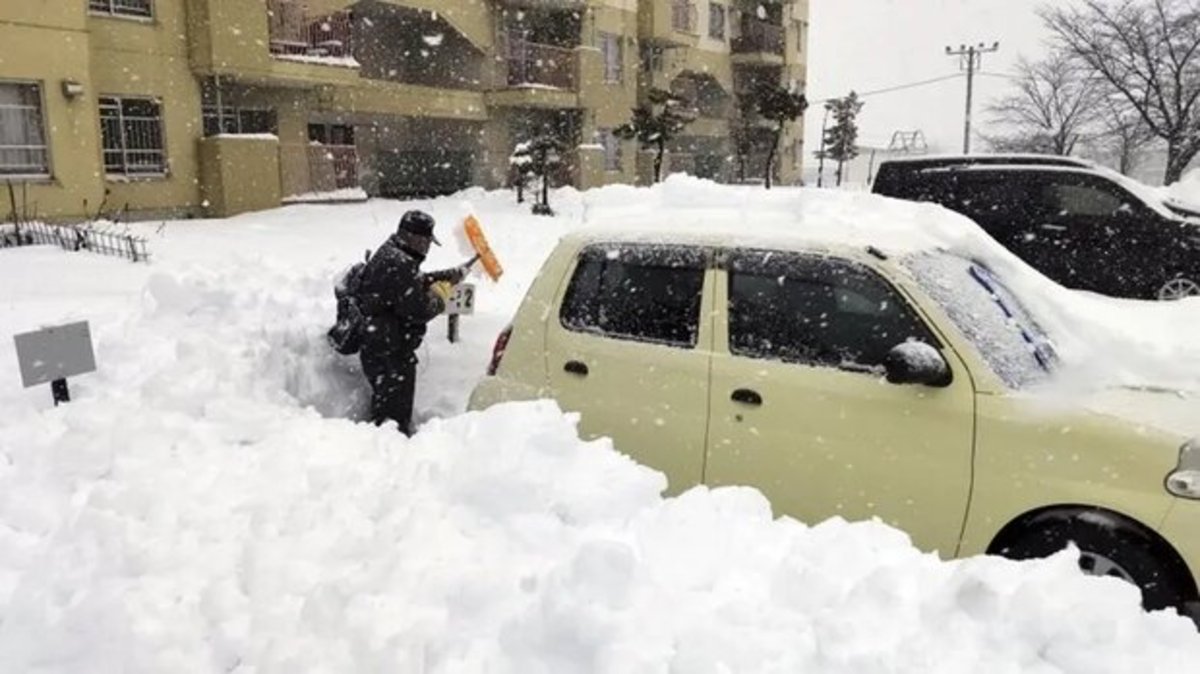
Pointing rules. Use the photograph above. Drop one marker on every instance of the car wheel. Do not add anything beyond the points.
(1178, 288)
(1108, 551)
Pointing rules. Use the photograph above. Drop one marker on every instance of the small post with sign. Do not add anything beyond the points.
(50, 355)
(461, 303)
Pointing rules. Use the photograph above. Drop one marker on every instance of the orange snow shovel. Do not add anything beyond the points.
(479, 242)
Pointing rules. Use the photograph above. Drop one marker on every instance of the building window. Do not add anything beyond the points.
(716, 21)
(22, 133)
(331, 134)
(652, 58)
(139, 8)
(610, 48)
(133, 136)
(239, 121)
(612, 149)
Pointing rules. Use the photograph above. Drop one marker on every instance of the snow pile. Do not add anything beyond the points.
(1186, 192)
(205, 506)
(243, 535)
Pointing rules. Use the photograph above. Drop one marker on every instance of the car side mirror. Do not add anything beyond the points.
(917, 363)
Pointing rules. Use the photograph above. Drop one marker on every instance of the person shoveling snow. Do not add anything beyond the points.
(397, 301)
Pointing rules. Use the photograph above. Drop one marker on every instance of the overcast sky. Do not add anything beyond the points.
(867, 45)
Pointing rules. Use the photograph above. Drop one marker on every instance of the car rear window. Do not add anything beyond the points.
(645, 293)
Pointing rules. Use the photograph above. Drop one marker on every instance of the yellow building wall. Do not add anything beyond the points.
(46, 56)
(43, 13)
(238, 174)
(607, 105)
(149, 58)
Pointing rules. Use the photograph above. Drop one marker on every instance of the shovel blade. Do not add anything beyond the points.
(487, 259)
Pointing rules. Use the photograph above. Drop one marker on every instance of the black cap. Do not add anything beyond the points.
(419, 223)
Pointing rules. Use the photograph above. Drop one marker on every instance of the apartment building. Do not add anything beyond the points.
(214, 107)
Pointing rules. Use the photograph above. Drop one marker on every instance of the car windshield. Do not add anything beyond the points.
(989, 314)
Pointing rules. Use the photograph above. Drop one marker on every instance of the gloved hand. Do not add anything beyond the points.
(456, 275)
(443, 289)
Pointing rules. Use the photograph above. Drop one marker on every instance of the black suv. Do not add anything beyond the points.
(1082, 226)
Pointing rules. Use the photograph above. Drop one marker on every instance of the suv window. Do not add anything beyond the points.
(987, 195)
(816, 310)
(1068, 195)
(643, 293)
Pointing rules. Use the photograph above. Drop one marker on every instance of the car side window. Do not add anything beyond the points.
(816, 310)
(985, 195)
(1071, 196)
(643, 293)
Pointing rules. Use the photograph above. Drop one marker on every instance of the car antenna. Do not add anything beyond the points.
(875, 252)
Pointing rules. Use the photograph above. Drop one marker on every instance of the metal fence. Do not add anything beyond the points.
(531, 63)
(293, 32)
(74, 238)
(759, 37)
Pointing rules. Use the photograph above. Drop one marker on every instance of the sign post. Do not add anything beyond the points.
(461, 303)
(50, 355)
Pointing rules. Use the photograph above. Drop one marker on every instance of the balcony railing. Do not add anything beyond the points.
(294, 33)
(684, 17)
(759, 37)
(332, 167)
(534, 64)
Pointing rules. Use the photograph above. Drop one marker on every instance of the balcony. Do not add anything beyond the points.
(759, 43)
(294, 34)
(676, 22)
(538, 75)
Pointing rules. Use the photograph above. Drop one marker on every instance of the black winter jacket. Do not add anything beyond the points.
(396, 300)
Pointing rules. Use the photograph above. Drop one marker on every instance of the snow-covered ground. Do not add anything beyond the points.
(208, 504)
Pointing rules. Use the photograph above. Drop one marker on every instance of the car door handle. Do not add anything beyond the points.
(746, 397)
(576, 367)
(1054, 228)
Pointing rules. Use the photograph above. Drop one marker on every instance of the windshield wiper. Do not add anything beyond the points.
(984, 278)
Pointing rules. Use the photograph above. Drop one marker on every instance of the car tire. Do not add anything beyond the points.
(1109, 550)
(1178, 287)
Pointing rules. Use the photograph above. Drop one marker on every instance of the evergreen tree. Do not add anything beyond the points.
(657, 123)
(782, 107)
(841, 139)
(538, 157)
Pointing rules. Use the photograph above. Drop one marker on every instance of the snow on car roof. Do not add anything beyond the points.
(1038, 159)
(687, 209)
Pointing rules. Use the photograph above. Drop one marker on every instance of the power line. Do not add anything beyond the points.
(900, 87)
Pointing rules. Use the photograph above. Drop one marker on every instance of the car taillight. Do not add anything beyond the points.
(498, 350)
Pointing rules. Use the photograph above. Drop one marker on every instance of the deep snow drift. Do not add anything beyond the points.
(202, 507)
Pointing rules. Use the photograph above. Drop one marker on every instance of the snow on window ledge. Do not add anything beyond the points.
(346, 194)
(246, 136)
(336, 61)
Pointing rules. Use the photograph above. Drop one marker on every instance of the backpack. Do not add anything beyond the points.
(346, 334)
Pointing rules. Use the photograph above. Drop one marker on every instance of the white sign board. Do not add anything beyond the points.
(462, 302)
(55, 353)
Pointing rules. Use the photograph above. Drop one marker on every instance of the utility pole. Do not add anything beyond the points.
(972, 58)
(821, 154)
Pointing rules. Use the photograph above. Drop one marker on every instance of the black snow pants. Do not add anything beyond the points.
(393, 379)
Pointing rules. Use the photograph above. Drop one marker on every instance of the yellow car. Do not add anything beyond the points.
(843, 381)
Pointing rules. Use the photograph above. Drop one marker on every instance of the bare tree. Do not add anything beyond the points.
(1149, 52)
(1049, 112)
(1122, 135)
